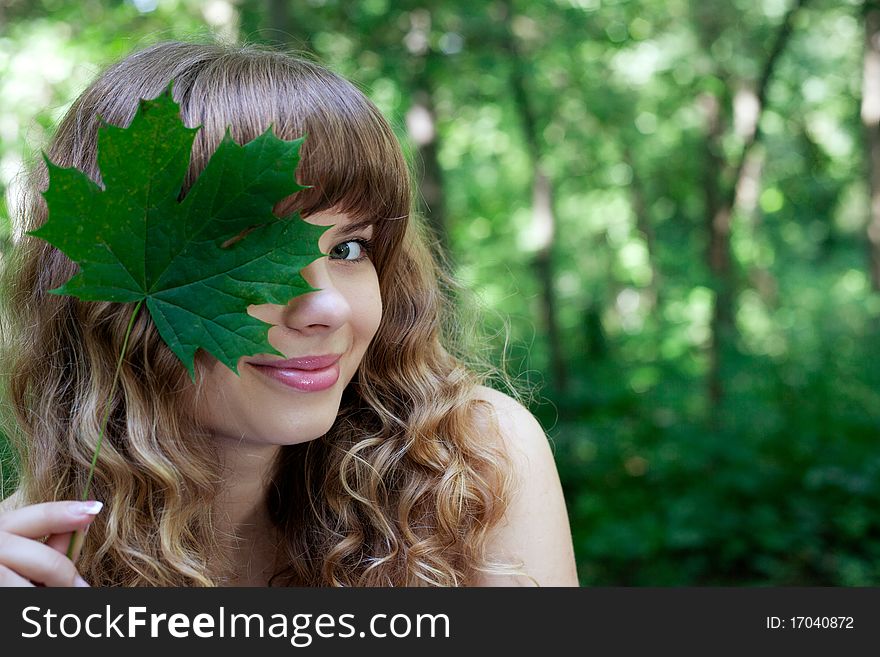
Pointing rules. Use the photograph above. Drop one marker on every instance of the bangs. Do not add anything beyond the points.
(350, 157)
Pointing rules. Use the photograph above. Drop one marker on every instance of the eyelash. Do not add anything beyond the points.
(366, 250)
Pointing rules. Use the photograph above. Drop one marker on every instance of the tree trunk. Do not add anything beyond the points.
(747, 195)
(639, 199)
(720, 204)
(421, 125)
(279, 20)
(871, 123)
(284, 27)
(718, 215)
(543, 204)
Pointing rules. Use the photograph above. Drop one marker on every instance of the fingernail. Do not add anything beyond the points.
(90, 508)
(80, 582)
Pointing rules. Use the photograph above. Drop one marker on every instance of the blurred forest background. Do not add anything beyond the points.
(675, 204)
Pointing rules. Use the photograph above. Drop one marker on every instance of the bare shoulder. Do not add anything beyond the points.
(12, 502)
(535, 530)
(522, 437)
(521, 434)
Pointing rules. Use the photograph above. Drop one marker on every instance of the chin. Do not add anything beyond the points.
(301, 435)
(271, 416)
(293, 427)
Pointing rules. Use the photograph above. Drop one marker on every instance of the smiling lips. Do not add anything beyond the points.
(308, 374)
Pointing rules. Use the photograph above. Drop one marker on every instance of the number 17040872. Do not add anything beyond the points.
(810, 622)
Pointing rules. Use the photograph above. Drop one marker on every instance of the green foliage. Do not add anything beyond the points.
(778, 483)
(784, 493)
(134, 240)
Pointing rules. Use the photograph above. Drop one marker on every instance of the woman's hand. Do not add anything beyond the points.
(25, 560)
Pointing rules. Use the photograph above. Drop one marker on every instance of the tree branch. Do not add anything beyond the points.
(782, 38)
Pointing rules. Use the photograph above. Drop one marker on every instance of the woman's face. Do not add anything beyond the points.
(322, 334)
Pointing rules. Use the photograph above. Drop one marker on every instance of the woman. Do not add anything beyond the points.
(396, 468)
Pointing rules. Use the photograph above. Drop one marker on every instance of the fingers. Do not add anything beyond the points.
(10, 578)
(61, 542)
(24, 560)
(37, 562)
(39, 520)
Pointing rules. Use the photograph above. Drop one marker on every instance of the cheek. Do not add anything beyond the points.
(375, 313)
(223, 397)
(366, 310)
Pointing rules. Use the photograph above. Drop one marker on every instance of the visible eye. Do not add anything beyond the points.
(350, 250)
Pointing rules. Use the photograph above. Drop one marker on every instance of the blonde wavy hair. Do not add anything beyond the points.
(408, 483)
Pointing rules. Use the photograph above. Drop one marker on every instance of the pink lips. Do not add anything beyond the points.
(308, 374)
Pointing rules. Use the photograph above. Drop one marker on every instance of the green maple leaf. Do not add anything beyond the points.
(135, 241)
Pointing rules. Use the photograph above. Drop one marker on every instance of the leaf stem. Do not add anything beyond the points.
(85, 494)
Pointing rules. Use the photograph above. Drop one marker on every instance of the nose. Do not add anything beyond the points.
(324, 310)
